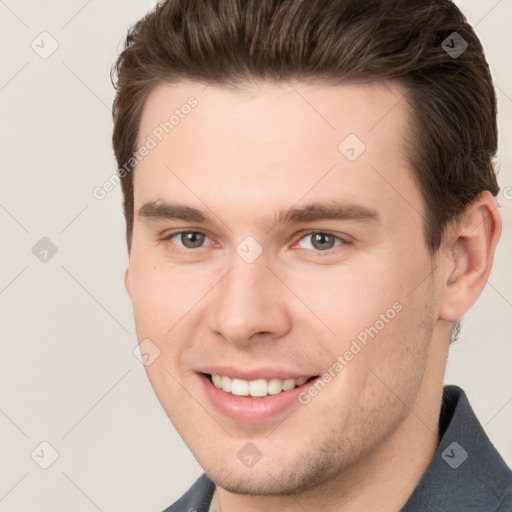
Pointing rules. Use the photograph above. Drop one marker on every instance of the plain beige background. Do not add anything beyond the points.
(68, 375)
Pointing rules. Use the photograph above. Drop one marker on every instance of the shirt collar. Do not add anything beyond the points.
(466, 472)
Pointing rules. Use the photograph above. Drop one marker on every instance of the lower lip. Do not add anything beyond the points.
(248, 409)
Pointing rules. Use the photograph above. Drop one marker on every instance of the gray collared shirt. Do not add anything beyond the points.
(467, 474)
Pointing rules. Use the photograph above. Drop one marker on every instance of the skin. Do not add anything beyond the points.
(243, 156)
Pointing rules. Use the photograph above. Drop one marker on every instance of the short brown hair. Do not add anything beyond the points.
(237, 42)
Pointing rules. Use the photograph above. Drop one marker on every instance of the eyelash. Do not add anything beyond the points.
(343, 242)
(327, 252)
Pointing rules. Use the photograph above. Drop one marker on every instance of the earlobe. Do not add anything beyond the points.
(468, 255)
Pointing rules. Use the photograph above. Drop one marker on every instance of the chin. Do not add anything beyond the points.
(273, 478)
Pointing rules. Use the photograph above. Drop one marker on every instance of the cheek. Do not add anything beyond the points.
(380, 317)
(398, 355)
(162, 295)
(350, 301)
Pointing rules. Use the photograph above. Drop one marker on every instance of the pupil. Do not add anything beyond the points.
(322, 241)
(192, 240)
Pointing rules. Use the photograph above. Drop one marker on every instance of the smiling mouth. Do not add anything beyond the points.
(258, 388)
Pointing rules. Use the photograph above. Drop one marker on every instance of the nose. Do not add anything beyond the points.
(250, 303)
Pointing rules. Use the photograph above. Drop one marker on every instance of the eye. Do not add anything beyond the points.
(188, 239)
(320, 241)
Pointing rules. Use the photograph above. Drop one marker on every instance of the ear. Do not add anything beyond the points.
(466, 256)
(127, 281)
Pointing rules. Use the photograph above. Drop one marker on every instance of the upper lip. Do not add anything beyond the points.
(254, 373)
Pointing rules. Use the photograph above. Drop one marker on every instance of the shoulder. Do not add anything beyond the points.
(467, 473)
(196, 499)
(506, 503)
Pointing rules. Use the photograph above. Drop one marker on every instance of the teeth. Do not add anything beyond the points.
(256, 388)
(239, 387)
(288, 384)
(274, 386)
(225, 384)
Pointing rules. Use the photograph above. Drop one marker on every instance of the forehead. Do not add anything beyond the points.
(261, 109)
(272, 143)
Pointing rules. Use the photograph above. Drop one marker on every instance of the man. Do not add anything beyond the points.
(308, 190)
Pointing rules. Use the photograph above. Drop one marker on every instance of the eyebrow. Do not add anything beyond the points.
(159, 210)
(311, 212)
(329, 210)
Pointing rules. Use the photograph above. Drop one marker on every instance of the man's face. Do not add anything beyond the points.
(340, 286)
